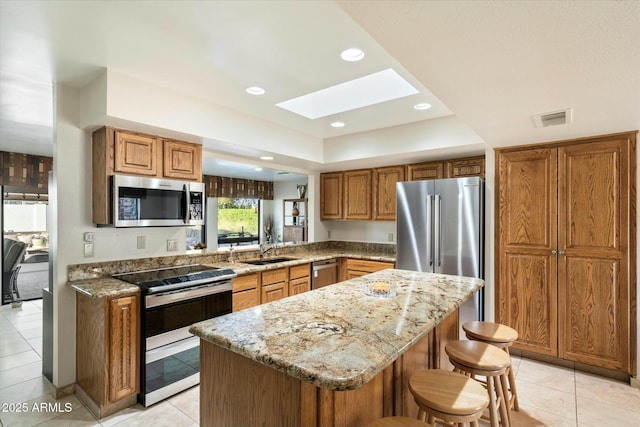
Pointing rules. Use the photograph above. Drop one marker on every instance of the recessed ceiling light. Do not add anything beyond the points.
(352, 55)
(337, 125)
(422, 106)
(266, 157)
(255, 90)
(257, 169)
(371, 89)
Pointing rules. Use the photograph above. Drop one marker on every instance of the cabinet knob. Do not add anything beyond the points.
(554, 252)
(561, 252)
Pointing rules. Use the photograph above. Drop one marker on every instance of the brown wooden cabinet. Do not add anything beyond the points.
(182, 160)
(354, 267)
(246, 291)
(565, 249)
(357, 194)
(118, 151)
(136, 154)
(107, 352)
(371, 193)
(469, 166)
(331, 195)
(384, 191)
(275, 285)
(426, 170)
(299, 279)
(453, 168)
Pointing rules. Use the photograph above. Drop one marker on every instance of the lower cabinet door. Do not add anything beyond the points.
(274, 292)
(123, 347)
(245, 299)
(298, 286)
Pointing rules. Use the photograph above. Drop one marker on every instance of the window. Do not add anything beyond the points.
(238, 221)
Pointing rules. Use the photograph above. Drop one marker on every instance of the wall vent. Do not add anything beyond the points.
(553, 118)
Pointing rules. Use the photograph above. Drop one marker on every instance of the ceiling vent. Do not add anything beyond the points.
(560, 117)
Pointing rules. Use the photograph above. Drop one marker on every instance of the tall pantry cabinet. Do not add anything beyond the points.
(565, 249)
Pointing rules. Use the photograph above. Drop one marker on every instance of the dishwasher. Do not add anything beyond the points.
(324, 273)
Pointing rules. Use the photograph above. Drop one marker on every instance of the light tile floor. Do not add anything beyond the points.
(549, 395)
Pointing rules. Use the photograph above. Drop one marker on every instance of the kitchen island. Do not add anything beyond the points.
(331, 357)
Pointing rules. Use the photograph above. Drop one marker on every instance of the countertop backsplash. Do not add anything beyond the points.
(108, 268)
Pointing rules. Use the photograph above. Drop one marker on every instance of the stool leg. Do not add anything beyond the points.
(493, 410)
(504, 379)
(503, 402)
(514, 392)
(421, 414)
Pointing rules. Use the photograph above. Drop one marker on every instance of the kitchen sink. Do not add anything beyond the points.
(267, 261)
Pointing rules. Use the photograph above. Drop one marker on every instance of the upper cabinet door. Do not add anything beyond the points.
(460, 168)
(429, 170)
(526, 264)
(357, 194)
(136, 154)
(384, 192)
(182, 160)
(331, 195)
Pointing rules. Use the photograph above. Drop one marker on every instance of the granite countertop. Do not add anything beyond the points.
(337, 337)
(103, 285)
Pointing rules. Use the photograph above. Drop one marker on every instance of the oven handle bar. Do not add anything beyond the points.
(171, 349)
(156, 300)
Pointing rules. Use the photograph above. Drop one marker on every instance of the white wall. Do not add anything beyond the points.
(25, 217)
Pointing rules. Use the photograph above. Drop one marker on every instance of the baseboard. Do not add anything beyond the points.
(59, 392)
(101, 411)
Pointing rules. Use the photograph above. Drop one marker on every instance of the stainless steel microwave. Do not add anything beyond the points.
(154, 202)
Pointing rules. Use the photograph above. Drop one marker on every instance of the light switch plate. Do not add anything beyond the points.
(172, 245)
(88, 250)
(141, 242)
(390, 237)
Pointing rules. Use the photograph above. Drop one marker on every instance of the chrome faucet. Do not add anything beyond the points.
(265, 248)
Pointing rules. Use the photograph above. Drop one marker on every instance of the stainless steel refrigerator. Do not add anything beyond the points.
(440, 229)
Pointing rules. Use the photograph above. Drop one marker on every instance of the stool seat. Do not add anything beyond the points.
(494, 333)
(448, 392)
(397, 422)
(478, 355)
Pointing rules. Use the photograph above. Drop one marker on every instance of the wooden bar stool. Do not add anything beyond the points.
(501, 336)
(475, 358)
(397, 422)
(448, 396)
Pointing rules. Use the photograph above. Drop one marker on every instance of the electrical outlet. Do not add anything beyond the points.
(390, 237)
(141, 242)
(88, 250)
(88, 237)
(172, 245)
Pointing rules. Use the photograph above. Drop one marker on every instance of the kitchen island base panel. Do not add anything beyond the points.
(239, 391)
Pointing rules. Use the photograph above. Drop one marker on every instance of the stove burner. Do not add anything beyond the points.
(174, 278)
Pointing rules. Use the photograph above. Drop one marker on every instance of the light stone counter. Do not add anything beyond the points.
(337, 337)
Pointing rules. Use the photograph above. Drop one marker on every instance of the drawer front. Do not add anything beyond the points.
(298, 271)
(245, 282)
(275, 276)
(368, 266)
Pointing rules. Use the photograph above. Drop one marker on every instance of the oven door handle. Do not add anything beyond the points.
(171, 349)
(183, 295)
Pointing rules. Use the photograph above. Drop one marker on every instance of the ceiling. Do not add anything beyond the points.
(492, 64)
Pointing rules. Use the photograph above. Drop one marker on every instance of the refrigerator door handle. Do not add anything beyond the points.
(430, 229)
(436, 231)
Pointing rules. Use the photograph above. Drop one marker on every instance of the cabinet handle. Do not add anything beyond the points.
(554, 252)
(561, 252)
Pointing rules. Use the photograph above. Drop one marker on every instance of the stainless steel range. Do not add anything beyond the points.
(173, 299)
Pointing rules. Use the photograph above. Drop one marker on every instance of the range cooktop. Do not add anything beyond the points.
(174, 278)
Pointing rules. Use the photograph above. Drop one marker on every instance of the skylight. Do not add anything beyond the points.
(372, 89)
